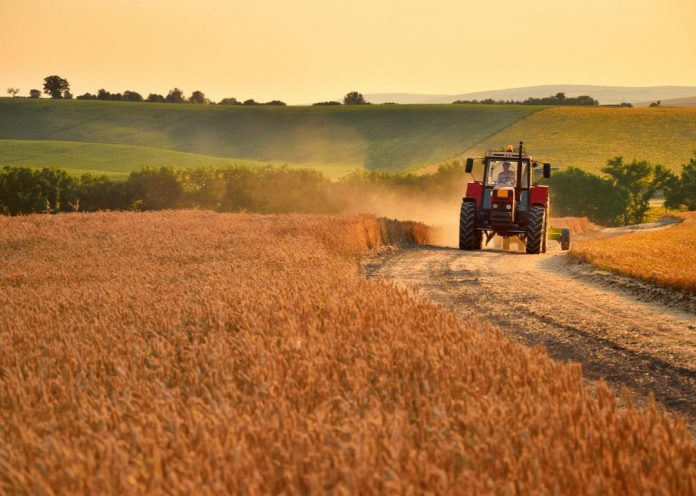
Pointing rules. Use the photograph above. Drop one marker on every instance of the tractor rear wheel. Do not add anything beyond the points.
(469, 237)
(544, 238)
(536, 229)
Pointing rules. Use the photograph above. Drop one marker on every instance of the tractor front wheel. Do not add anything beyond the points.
(469, 237)
(536, 231)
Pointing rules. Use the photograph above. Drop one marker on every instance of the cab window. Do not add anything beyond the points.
(504, 173)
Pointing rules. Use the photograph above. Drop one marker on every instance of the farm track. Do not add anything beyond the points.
(549, 300)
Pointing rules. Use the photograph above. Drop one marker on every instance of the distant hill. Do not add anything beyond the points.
(335, 139)
(118, 137)
(604, 94)
(586, 137)
(671, 102)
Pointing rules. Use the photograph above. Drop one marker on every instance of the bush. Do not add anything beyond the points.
(576, 193)
(354, 98)
(681, 191)
(155, 98)
(28, 191)
(153, 189)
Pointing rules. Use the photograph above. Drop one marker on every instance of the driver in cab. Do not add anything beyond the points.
(506, 177)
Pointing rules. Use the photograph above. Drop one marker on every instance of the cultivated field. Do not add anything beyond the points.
(664, 257)
(334, 139)
(116, 161)
(586, 137)
(193, 352)
(390, 137)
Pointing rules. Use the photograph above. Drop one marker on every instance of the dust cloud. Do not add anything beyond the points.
(441, 214)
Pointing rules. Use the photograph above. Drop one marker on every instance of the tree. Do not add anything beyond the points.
(250, 101)
(55, 86)
(656, 104)
(636, 182)
(681, 191)
(28, 191)
(331, 102)
(34, 94)
(229, 101)
(132, 96)
(102, 94)
(155, 98)
(354, 98)
(12, 92)
(87, 96)
(275, 102)
(67, 95)
(198, 97)
(175, 96)
(576, 193)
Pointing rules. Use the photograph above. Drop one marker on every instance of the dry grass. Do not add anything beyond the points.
(192, 352)
(664, 257)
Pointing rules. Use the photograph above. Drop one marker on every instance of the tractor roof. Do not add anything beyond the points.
(507, 155)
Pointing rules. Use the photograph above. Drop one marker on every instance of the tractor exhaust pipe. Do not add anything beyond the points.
(519, 174)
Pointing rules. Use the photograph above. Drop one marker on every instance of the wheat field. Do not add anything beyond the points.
(202, 353)
(665, 257)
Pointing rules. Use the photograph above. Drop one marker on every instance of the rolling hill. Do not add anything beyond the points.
(336, 139)
(118, 137)
(586, 137)
(102, 158)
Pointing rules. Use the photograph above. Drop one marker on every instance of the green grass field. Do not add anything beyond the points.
(118, 137)
(586, 137)
(336, 139)
(118, 160)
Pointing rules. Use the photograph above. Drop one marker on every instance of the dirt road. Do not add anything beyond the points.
(568, 308)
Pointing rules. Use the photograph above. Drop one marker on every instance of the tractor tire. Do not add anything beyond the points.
(545, 237)
(536, 229)
(565, 239)
(469, 237)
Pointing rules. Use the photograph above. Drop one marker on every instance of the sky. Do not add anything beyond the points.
(304, 51)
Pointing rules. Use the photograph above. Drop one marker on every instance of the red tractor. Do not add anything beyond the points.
(509, 203)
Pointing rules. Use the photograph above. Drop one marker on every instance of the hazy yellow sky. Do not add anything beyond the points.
(309, 50)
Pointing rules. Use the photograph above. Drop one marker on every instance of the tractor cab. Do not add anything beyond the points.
(507, 201)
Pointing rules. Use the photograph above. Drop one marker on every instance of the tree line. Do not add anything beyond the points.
(557, 99)
(619, 197)
(58, 88)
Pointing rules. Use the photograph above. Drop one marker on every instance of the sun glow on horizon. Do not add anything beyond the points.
(310, 50)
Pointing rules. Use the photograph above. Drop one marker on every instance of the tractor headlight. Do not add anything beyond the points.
(508, 206)
(495, 205)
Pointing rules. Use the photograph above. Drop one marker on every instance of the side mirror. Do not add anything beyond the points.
(547, 171)
(469, 165)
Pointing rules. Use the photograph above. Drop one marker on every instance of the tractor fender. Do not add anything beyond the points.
(539, 195)
(474, 192)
